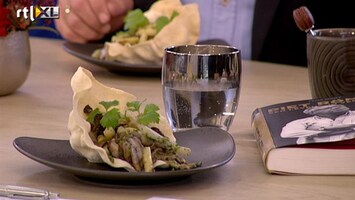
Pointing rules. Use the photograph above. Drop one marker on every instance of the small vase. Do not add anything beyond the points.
(15, 61)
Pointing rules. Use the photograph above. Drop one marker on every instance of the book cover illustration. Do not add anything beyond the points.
(310, 121)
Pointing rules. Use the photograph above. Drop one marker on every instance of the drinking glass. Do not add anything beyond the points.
(201, 85)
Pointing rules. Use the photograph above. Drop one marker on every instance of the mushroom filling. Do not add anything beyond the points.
(129, 138)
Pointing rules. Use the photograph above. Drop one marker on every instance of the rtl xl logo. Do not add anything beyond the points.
(46, 12)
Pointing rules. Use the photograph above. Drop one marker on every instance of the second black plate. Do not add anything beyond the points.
(84, 51)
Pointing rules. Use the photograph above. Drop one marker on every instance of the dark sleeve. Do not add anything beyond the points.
(143, 4)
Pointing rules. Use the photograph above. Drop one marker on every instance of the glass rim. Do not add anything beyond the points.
(221, 49)
(341, 33)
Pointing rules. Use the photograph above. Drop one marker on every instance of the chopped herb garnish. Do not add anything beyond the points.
(137, 24)
(150, 115)
(111, 118)
(134, 20)
(161, 22)
(92, 115)
(109, 104)
(175, 14)
(134, 106)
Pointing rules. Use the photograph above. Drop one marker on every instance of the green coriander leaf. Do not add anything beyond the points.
(175, 14)
(150, 108)
(161, 22)
(109, 104)
(134, 105)
(111, 118)
(147, 118)
(150, 115)
(92, 115)
(134, 20)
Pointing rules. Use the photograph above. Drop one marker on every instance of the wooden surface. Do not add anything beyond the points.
(41, 106)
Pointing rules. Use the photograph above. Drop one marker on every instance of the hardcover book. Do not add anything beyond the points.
(313, 137)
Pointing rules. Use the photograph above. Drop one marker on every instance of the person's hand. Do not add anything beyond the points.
(88, 20)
